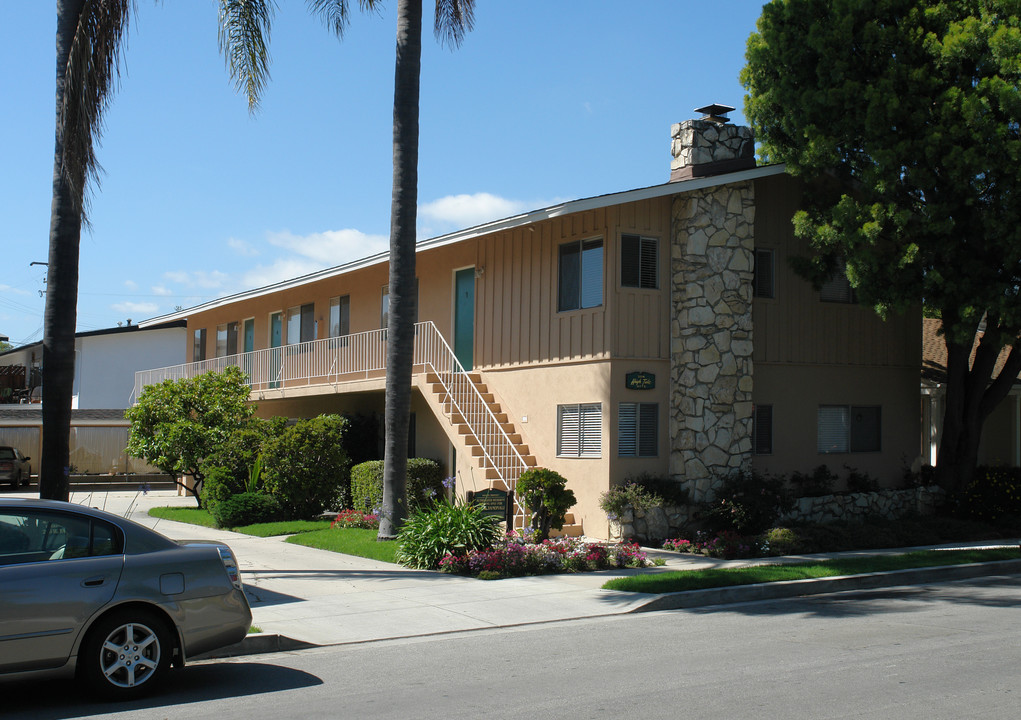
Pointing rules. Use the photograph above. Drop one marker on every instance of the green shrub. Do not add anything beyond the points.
(431, 533)
(819, 482)
(246, 508)
(547, 498)
(630, 496)
(425, 483)
(668, 489)
(993, 494)
(781, 541)
(306, 468)
(860, 482)
(747, 503)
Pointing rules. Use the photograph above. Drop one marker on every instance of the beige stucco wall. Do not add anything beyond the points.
(795, 392)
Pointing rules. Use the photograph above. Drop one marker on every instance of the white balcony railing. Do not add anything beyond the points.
(363, 355)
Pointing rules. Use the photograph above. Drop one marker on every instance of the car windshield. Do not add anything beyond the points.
(6, 453)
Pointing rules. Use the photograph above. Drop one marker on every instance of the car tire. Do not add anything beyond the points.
(125, 655)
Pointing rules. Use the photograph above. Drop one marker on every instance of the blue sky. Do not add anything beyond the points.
(546, 101)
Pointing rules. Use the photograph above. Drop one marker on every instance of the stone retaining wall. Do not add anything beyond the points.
(888, 504)
(660, 523)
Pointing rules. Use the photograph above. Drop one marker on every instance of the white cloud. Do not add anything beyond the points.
(282, 269)
(208, 279)
(135, 308)
(240, 247)
(464, 211)
(161, 290)
(131, 285)
(332, 247)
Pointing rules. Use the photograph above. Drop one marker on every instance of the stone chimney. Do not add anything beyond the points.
(710, 145)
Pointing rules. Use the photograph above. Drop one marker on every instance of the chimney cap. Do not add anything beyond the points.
(715, 113)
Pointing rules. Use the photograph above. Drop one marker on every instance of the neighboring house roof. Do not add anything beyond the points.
(34, 413)
(566, 208)
(934, 352)
(108, 331)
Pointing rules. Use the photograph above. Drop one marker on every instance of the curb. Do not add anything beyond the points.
(256, 644)
(819, 586)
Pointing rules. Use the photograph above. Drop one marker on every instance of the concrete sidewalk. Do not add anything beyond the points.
(304, 596)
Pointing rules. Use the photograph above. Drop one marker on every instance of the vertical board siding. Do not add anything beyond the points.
(796, 326)
(516, 314)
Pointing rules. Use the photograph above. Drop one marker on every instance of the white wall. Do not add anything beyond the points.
(105, 365)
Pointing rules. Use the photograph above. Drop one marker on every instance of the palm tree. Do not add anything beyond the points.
(90, 36)
(243, 26)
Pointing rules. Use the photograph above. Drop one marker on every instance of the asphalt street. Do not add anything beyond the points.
(936, 651)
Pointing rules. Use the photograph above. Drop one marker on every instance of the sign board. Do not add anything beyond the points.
(640, 381)
(493, 502)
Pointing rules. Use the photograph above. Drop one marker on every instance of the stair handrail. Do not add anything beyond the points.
(444, 356)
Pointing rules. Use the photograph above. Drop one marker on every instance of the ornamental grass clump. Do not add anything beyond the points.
(429, 534)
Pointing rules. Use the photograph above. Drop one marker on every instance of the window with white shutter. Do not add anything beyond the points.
(837, 289)
(580, 430)
(855, 428)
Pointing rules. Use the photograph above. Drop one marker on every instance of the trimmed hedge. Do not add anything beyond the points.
(246, 508)
(425, 483)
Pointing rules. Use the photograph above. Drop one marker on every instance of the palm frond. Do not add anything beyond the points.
(335, 14)
(93, 68)
(244, 34)
(454, 18)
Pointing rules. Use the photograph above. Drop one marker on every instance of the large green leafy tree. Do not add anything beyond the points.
(902, 117)
(177, 424)
(243, 27)
(90, 35)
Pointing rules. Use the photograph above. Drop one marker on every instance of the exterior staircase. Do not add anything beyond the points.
(464, 409)
(465, 402)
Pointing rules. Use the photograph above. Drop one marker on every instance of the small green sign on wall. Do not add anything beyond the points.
(640, 381)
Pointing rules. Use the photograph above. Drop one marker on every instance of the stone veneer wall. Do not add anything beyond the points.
(711, 266)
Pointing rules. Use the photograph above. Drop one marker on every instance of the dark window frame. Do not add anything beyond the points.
(639, 262)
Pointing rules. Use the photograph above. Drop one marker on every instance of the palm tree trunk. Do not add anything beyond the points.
(403, 301)
(61, 288)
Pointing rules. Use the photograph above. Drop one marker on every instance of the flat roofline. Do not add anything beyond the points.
(508, 223)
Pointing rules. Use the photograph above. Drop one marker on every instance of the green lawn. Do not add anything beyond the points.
(190, 515)
(311, 533)
(350, 541)
(721, 577)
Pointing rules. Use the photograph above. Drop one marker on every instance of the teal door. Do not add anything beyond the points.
(464, 316)
(248, 345)
(276, 338)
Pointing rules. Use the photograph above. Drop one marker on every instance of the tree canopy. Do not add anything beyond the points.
(903, 117)
(177, 424)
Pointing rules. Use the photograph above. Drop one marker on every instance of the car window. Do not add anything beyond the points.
(36, 536)
(6, 454)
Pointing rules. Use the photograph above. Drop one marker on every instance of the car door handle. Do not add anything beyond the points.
(94, 581)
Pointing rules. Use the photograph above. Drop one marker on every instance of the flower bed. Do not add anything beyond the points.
(355, 519)
(515, 556)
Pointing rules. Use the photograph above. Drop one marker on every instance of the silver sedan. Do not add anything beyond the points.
(89, 593)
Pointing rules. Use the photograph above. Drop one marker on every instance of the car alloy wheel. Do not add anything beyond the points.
(126, 654)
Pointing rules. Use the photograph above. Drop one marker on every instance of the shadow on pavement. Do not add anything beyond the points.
(897, 599)
(50, 700)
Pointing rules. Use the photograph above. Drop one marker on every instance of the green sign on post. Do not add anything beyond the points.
(493, 502)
